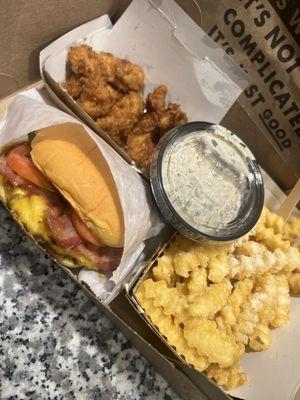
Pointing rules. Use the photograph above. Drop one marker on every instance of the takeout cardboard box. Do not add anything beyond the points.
(19, 67)
(166, 43)
(260, 367)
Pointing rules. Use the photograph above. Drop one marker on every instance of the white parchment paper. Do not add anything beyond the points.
(29, 112)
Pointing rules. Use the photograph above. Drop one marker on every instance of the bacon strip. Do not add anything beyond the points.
(62, 229)
(105, 258)
(66, 237)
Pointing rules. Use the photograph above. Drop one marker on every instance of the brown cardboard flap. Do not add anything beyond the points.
(28, 26)
(239, 122)
(209, 390)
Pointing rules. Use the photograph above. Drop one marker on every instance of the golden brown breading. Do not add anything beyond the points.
(109, 89)
(156, 100)
(123, 116)
(83, 61)
(147, 124)
(108, 62)
(97, 97)
(73, 86)
(167, 118)
(155, 122)
(142, 139)
(122, 74)
(173, 116)
(140, 149)
(129, 76)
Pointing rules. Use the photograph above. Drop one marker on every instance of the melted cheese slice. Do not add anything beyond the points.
(30, 210)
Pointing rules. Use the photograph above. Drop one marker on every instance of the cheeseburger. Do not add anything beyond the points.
(59, 187)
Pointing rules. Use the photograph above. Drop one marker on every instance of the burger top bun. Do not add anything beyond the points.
(71, 160)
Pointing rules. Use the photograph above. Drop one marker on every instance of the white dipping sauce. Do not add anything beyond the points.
(206, 179)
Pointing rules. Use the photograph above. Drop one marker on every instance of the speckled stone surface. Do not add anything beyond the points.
(55, 343)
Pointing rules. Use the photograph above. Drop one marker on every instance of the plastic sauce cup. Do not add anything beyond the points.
(207, 182)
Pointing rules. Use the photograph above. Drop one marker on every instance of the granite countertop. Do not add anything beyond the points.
(55, 343)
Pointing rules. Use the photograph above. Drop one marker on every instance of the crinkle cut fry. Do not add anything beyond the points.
(229, 378)
(196, 283)
(261, 338)
(290, 230)
(172, 301)
(164, 270)
(205, 336)
(213, 298)
(261, 260)
(272, 240)
(191, 255)
(282, 309)
(171, 331)
(294, 282)
(219, 268)
(229, 314)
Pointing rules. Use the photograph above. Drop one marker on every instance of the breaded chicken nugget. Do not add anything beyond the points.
(123, 116)
(97, 97)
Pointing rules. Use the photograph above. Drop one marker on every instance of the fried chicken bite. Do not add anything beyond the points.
(140, 149)
(123, 116)
(147, 124)
(173, 116)
(122, 74)
(156, 101)
(167, 118)
(73, 86)
(155, 122)
(83, 61)
(108, 62)
(141, 141)
(129, 76)
(97, 97)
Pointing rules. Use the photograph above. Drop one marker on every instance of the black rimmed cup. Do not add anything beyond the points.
(252, 189)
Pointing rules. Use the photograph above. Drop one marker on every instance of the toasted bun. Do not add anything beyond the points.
(70, 159)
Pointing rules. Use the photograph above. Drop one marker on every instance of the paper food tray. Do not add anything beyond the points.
(171, 49)
(261, 367)
(30, 111)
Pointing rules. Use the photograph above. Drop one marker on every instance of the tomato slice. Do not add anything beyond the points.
(83, 231)
(20, 162)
